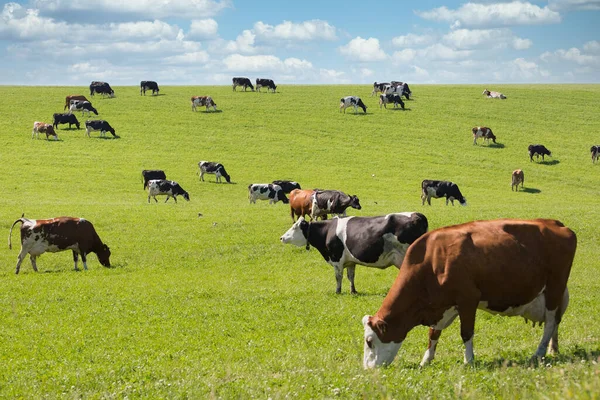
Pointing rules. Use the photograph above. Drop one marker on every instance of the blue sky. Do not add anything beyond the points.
(206, 42)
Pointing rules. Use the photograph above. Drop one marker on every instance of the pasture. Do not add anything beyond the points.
(214, 306)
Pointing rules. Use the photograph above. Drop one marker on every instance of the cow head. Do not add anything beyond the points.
(104, 255)
(354, 203)
(297, 234)
(377, 353)
(186, 196)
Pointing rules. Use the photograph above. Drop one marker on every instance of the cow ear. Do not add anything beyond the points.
(365, 320)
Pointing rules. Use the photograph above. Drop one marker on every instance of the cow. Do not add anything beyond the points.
(83, 106)
(332, 202)
(102, 88)
(266, 191)
(71, 98)
(395, 98)
(493, 95)
(377, 242)
(352, 101)
(203, 101)
(378, 87)
(537, 150)
(398, 87)
(517, 177)
(301, 201)
(148, 85)
(99, 125)
(42, 127)
(595, 150)
(287, 186)
(268, 83)
(59, 234)
(437, 189)
(163, 187)
(215, 168)
(508, 267)
(67, 118)
(150, 174)
(244, 82)
(483, 132)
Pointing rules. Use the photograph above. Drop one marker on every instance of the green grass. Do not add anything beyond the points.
(215, 306)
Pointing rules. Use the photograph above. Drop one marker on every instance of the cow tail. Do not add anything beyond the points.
(22, 221)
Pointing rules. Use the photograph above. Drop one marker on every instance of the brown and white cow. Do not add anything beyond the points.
(301, 201)
(203, 101)
(42, 127)
(59, 234)
(483, 132)
(517, 177)
(493, 95)
(507, 267)
(69, 99)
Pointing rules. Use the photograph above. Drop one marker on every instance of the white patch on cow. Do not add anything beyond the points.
(294, 235)
(406, 214)
(377, 353)
(447, 318)
(535, 310)
(469, 355)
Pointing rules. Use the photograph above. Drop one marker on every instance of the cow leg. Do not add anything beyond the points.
(350, 270)
(75, 259)
(33, 263)
(202, 176)
(339, 274)
(435, 332)
(165, 200)
(84, 260)
(20, 259)
(466, 312)
(550, 329)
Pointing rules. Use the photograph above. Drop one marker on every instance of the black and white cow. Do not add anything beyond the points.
(378, 87)
(398, 87)
(163, 187)
(266, 191)
(395, 98)
(287, 186)
(377, 242)
(83, 106)
(332, 202)
(244, 82)
(268, 83)
(150, 174)
(67, 118)
(215, 168)
(149, 85)
(483, 132)
(98, 125)
(101, 88)
(538, 150)
(352, 101)
(203, 101)
(595, 150)
(437, 189)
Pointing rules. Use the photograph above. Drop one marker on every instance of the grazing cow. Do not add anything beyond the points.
(437, 189)
(377, 242)
(149, 85)
(42, 127)
(332, 202)
(150, 174)
(483, 132)
(352, 101)
(59, 234)
(287, 186)
(99, 125)
(508, 267)
(595, 150)
(67, 118)
(217, 169)
(537, 150)
(268, 83)
(244, 82)
(83, 106)
(102, 88)
(493, 95)
(70, 99)
(395, 98)
(203, 101)
(266, 191)
(163, 187)
(517, 177)
(301, 201)
(378, 87)
(398, 87)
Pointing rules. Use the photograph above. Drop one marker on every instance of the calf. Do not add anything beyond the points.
(301, 203)
(266, 191)
(332, 202)
(150, 174)
(67, 118)
(99, 125)
(437, 189)
(214, 168)
(69, 100)
(268, 83)
(595, 150)
(203, 101)
(517, 177)
(395, 98)
(102, 88)
(42, 127)
(352, 101)
(244, 82)
(148, 85)
(287, 186)
(378, 87)
(163, 187)
(83, 106)
(59, 234)
(493, 95)
(483, 132)
(537, 150)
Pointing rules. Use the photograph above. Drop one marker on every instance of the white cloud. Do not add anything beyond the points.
(439, 51)
(264, 63)
(574, 4)
(521, 44)
(363, 50)
(196, 57)
(203, 28)
(522, 70)
(412, 40)
(592, 47)
(485, 38)
(404, 56)
(244, 43)
(304, 31)
(366, 72)
(571, 55)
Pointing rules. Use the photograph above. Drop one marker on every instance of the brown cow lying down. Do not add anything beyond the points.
(507, 267)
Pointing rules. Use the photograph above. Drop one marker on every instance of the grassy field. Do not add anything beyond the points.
(215, 306)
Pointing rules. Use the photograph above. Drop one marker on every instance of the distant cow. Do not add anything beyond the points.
(149, 85)
(395, 98)
(163, 187)
(266, 191)
(150, 174)
(398, 87)
(437, 189)
(102, 88)
(268, 83)
(203, 101)
(493, 95)
(59, 234)
(42, 127)
(377, 242)
(352, 101)
(378, 87)
(244, 82)
(595, 150)
(483, 132)
(287, 186)
(83, 106)
(67, 118)
(214, 168)
(69, 100)
(332, 202)
(301, 201)
(517, 177)
(99, 125)
(537, 150)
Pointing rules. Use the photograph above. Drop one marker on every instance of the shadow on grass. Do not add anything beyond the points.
(108, 137)
(548, 162)
(211, 112)
(496, 145)
(221, 183)
(576, 357)
(530, 190)
(399, 109)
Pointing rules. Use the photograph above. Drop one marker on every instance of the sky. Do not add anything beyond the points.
(207, 42)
